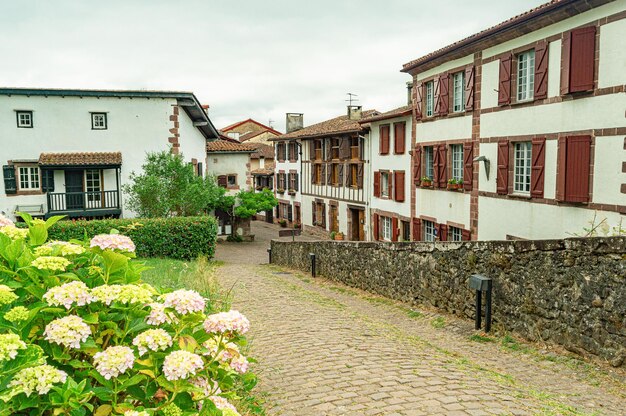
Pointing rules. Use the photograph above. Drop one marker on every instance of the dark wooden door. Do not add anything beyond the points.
(74, 198)
(361, 225)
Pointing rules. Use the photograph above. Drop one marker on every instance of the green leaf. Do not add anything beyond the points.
(103, 410)
(114, 262)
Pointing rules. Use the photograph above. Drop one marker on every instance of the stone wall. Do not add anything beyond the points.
(570, 292)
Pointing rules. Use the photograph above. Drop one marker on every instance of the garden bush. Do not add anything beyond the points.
(183, 238)
(80, 333)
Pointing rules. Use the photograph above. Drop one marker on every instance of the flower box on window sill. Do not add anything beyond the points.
(259, 188)
(280, 191)
(291, 192)
(455, 185)
(426, 183)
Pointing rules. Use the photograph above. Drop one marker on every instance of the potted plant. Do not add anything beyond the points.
(283, 223)
(292, 192)
(452, 185)
(427, 182)
(459, 184)
(280, 190)
(259, 188)
(339, 236)
(333, 235)
(297, 225)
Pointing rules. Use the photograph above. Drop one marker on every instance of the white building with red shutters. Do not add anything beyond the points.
(390, 202)
(526, 119)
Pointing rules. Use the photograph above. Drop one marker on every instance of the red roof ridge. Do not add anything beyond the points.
(239, 123)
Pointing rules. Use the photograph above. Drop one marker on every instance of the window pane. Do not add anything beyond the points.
(523, 153)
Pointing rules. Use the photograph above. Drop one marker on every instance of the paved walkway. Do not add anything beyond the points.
(325, 349)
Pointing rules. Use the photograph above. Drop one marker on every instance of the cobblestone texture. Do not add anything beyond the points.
(324, 349)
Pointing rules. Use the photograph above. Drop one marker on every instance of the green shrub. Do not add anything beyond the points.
(182, 238)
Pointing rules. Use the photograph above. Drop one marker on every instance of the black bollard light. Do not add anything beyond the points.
(481, 284)
(269, 253)
(312, 257)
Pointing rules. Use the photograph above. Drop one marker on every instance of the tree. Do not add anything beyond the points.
(246, 204)
(169, 186)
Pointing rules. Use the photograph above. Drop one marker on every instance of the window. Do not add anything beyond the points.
(317, 174)
(406, 231)
(355, 148)
(428, 162)
(523, 162)
(293, 181)
(430, 98)
(98, 121)
(457, 161)
(281, 180)
(455, 234)
(319, 214)
(317, 145)
(93, 184)
(386, 228)
(334, 148)
(24, 119)
(525, 75)
(334, 218)
(354, 175)
(29, 178)
(429, 231)
(334, 177)
(458, 91)
(384, 184)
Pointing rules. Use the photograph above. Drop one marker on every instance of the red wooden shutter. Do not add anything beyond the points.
(323, 178)
(359, 176)
(417, 166)
(442, 232)
(541, 70)
(577, 168)
(417, 230)
(222, 181)
(312, 150)
(538, 165)
(399, 194)
(435, 166)
(394, 229)
(418, 91)
(502, 179)
(560, 169)
(583, 49)
(377, 184)
(376, 227)
(436, 100)
(443, 166)
(566, 53)
(444, 94)
(504, 88)
(399, 130)
(384, 140)
(469, 88)
(468, 166)
(466, 235)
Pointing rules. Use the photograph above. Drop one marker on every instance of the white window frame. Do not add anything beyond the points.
(99, 121)
(29, 178)
(93, 183)
(429, 169)
(457, 161)
(24, 119)
(526, 76)
(384, 184)
(455, 234)
(458, 91)
(523, 167)
(430, 98)
(429, 231)
(386, 228)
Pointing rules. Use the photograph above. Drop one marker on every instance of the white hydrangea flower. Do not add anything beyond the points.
(158, 315)
(69, 331)
(181, 364)
(114, 361)
(136, 413)
(223, 405)
(13, 232)
(227, 322)
(184, 301)
(51, 263)
(113, 242)
(73, 292)
(152, 339)
(39, 379)
(239, 363)
(9, 345)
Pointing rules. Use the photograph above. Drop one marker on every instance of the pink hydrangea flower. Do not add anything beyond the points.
(5, 222)
(69, 293)
(181, 364)
(239, 364)
(184, 301)
(113, 242)
(224, 322)
(114, 361)
(223, 404)
(158, 315)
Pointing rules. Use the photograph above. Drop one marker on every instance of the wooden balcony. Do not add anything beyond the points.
(84, 204)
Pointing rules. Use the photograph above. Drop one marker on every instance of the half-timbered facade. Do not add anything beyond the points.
(519, 129)
(335, 172)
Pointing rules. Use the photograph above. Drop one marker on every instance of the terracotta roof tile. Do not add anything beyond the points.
(262, 150)
(262, 172)
(80, 159)
(396, 112)
(228, 146)
(341, 124)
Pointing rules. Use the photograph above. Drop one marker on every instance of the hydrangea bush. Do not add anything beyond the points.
(81, 334)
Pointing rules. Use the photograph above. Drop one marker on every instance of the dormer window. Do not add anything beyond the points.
(98, 121)
(24, 119)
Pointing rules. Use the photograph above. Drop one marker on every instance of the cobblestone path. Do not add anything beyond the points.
(325, 349)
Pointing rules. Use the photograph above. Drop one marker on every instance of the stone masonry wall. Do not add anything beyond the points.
(570, 292)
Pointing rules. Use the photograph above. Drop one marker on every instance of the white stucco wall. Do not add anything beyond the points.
(607, 170)
(612, 64)
(466, 60)
(459, 127)
(192, 142)
(229, 164)
(443, 205)
(63, 124)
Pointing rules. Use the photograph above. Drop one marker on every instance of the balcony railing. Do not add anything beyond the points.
(78, 204)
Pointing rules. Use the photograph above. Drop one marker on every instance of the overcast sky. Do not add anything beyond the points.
(246, 58)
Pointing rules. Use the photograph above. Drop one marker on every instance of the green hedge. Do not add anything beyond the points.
(183, 238)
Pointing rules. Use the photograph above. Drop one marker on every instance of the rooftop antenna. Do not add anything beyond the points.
(351, 98)
(269, 123)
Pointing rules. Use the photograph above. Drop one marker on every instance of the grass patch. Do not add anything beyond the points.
(481, 338)
(414, 314)
(511, 344)
(438, 322)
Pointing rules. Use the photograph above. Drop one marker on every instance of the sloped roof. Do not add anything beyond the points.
(534, 19)
(251, 134)
(239, 123)
(81, 159)
(262, 172)
(226, 146)
(337, 125)
(396, 112)
(262, 150)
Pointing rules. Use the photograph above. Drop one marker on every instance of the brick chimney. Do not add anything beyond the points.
(294, 122)
(409, 91)
(355, 112)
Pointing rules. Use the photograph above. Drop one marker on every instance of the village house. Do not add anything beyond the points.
(334, 172)
(390, 205)
(68, 152)
(250, 131)
(518, 130)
